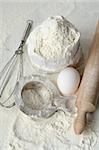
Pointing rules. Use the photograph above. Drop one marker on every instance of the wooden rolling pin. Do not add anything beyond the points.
(89, 88)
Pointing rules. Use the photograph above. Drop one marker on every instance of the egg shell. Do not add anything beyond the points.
(68, 81)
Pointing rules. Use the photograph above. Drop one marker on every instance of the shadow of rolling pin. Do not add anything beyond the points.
(89, 88)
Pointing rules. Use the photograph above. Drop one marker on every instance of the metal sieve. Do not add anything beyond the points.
(51, 105)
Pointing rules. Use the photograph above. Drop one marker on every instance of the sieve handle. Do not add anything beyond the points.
(64, 103)
(59, 104)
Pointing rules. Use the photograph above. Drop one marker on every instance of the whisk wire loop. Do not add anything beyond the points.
(10, 67)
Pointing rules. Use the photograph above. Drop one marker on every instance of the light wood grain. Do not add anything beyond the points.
(89, 88)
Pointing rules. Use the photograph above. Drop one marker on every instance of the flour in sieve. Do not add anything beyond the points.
(36, 97)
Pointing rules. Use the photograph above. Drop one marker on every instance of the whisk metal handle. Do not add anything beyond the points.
(26, 34)
(28, 29)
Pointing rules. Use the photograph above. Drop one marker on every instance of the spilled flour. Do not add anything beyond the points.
(55, 133)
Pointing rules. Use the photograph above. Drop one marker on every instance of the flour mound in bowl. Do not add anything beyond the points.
(53, 38)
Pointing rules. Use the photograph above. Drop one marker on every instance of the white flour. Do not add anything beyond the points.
(53, 38)
(55, 133)
(35, 97)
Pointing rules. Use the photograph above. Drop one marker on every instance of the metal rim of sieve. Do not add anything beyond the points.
(53, 91)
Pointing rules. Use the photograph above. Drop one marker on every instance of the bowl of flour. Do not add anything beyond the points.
(54, 44)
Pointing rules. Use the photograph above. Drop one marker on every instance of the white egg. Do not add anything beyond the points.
(68, 81)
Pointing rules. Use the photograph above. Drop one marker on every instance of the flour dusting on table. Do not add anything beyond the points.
(55, 133)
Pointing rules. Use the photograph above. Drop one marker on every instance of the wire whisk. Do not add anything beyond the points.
(10, 67)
